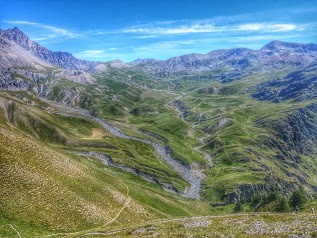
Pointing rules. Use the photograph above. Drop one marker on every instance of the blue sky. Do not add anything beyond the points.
(128, 30)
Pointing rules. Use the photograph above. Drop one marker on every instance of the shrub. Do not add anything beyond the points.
(313, 234)
(281, 205)
(256, 200)
(298, 198)
(273, 196)
(238, 207)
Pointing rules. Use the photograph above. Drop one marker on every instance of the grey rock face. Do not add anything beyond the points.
(15, 85)
(63, 60)
(182, 107)
(209, 90)
(22, 69)
(107, 160)
(18, 79)
(298, 130)
(298, 86)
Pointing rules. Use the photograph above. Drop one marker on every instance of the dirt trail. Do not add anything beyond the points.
(124, 206)
(113, 219)
(91, 230)
(14, 229)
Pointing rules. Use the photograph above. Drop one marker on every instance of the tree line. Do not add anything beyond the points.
(275, 202)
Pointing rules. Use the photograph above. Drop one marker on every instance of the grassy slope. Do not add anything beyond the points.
(82, 178)
(44, 189)
(236, 162)
(234, 144)
(240, 156)
(116, 100)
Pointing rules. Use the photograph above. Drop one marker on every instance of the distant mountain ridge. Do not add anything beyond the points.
(275, 54)
(286, 46)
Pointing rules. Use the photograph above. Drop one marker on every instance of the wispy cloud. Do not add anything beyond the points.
(269, 37)
(172, 30)
(92, 52)
(211, 28)
(98, 54)
(268, 27)
(52, 31)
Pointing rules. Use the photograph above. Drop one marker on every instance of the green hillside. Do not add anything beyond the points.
(46, 190)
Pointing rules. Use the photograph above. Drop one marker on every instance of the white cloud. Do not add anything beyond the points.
(98, 54)
(91, 54)
(52, 31)
(244, 39)
(198, 27)
(146, 36)
(266, 27)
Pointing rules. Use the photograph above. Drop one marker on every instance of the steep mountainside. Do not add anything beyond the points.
(298, 86)
(23, 70)
(61, 59)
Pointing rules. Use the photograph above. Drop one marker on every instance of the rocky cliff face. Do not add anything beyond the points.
(20, 79)
(24, 65)
(293, 137)
(63, 60)
(298, 86)
(297, 133)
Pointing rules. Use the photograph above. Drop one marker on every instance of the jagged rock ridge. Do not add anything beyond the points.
(61, 59)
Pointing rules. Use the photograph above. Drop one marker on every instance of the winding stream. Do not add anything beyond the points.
(192, 176)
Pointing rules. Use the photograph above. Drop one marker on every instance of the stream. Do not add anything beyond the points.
(192, 176)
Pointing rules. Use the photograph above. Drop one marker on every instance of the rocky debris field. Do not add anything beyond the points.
(236, 225)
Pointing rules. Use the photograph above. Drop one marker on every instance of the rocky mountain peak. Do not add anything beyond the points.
(280, 46)
(61, 59)
(17, 30)
(19, 37)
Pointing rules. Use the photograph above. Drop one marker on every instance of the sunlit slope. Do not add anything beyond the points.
(256, 146)
(46, 190)
(244, 137)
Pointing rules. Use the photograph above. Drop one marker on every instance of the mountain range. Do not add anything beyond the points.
(90, 145)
